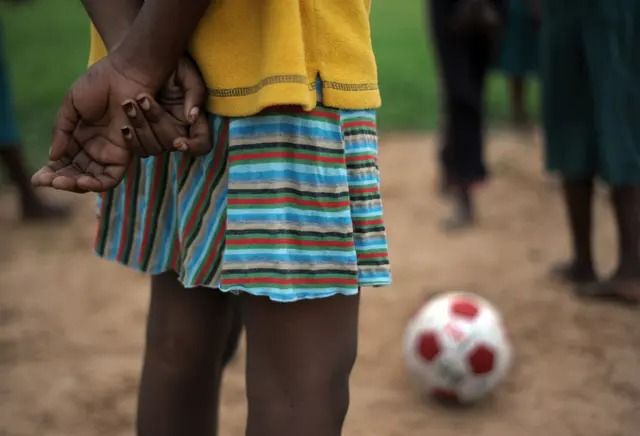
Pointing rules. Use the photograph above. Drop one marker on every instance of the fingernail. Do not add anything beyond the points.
(180, 145)
(144, 102)
(126, 131)
(193, 114)
(129, 109)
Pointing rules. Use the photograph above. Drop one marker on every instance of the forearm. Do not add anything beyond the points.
(159, 36)
(112, 18)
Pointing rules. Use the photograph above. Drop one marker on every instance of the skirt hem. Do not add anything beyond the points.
(278, 297)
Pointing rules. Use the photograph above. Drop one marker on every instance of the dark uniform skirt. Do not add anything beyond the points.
(590, 69)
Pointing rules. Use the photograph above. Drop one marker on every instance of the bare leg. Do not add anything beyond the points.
(463, 214)
(235, 331)
(624, 286)
(578, 199)
(517, 91)
(187, 334)
(32, 206)
(626, 201)
(299, 359)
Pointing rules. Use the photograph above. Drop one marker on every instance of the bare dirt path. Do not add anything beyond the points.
(71, 326)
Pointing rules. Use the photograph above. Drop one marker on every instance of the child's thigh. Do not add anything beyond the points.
(293, 348)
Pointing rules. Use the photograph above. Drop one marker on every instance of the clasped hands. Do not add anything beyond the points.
(112, 113)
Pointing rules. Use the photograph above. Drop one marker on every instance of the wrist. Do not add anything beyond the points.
(137, 72)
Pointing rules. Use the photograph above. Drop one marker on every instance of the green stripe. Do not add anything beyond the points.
(375, 264)
(133, 210)
(370, 119)
(311, 196)
(105, 220)
(187, 170)
(292, 159)
(210, 187)
(255, 246)
(323, 286)
(257, 234)
(275, 148)
(359, 154)
(376, 251)
(217, 256)
(261, 275)
(155, 208)
(292, 205)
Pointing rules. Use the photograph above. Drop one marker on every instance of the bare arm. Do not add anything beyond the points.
(157, 39)
(112, 18)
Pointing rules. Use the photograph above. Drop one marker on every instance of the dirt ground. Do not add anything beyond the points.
(71, 326)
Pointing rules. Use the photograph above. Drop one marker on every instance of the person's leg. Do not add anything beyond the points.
(626, 202)
(299, 360)
(578, 198)
(187, 335)
(624, 284)
(615, 74)
(460, 148)
(448, 56)
(468, 163)
(517, 93)
(235, 331)
(568, 111)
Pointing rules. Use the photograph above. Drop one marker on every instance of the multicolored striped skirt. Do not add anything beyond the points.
(287, 205)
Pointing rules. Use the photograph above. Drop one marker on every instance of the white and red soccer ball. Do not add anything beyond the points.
(456, 347)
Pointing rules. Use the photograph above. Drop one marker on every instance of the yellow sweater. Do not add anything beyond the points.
(258, 53)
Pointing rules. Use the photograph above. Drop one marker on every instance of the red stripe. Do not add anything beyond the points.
(325, 114)
(182, 168)
(290, 154)
(357, 158)
(372, 255)
(298, 201)
(152, 200)
(291, 241)
(367, 222)
(293, 281)
(359, 124)
(213, 252)
(123, 232)
(174, 255)
(205, 192)
(363, 190)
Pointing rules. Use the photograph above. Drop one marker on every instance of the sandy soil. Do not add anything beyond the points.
(71, 326)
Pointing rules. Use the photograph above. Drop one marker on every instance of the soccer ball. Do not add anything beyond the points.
(456, 347)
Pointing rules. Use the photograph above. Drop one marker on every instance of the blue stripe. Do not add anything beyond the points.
(241, 130)
(285, 174)
(255, 255)
(289, 218)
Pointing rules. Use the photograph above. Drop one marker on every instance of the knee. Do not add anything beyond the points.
(314, 393)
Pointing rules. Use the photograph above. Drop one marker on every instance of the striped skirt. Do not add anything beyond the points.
(287, 205)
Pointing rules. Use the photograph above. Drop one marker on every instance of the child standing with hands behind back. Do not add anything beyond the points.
(281, 211)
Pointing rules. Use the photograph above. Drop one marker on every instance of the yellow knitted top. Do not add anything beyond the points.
(259, 53)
